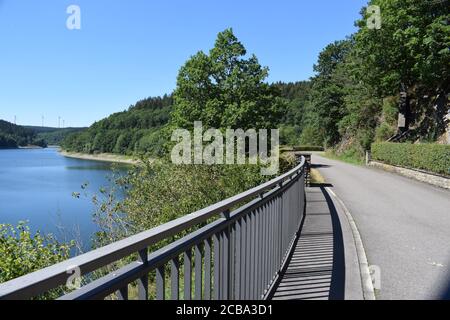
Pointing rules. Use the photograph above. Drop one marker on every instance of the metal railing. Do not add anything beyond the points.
(236, 256)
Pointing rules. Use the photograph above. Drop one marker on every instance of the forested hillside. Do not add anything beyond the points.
(140, 128)
(296, 96)
(13, 136)
(53, 136)
(132, 131)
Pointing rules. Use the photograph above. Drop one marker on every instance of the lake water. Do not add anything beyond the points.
(37, 185)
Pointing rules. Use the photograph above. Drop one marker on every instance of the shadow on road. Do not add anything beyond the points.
(446, 293)
(319, 165)
(337, 289)
(319, 185)
(315, 268)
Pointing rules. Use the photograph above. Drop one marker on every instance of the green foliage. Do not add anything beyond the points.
(13, 136)
(53, 136)
(22, 253)
(158, 192)
(411, 46)
(296, 95)
(390, 110)
(431, 157)
(354, 95)
(350, 155)
(126, 132)
(225, 90)
(312, 134)
(384, 132)
(325, 108)
(290, 135)
(7, 141)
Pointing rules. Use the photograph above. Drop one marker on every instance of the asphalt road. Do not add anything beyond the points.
(404, 225)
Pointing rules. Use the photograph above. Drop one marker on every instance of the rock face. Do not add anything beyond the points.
(433, 179)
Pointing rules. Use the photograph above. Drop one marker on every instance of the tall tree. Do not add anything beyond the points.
(326, 107)
(411, 46)
(225, 89)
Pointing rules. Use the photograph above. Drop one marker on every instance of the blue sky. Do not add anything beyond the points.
(129, 50)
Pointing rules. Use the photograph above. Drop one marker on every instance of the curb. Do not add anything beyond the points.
(430, 178)
(366, 280)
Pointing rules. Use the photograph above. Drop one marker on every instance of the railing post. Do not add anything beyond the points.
(226, 260)
(307, 169)
(143, 281)
(280, 235)
(368, 157)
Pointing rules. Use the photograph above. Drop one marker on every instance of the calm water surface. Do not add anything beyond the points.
(37, 185)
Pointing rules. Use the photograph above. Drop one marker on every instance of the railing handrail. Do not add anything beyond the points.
(48, 278)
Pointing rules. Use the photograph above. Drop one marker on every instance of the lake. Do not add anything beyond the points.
(37, 185)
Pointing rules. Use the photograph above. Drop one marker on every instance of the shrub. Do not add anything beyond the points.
(384, 132)
(22, 253)
(430, 157)
(290, 135)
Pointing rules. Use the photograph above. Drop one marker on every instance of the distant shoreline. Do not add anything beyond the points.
(31, 147)
(105, 157)
(21, 148)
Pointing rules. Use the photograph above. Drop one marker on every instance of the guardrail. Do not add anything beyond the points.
(236, 256)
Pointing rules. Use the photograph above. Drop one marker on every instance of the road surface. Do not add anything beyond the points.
(404, 225)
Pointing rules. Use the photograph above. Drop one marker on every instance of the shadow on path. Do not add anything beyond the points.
(318, 165)
(316, 267)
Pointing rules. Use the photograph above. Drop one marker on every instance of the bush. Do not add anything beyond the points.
(22, 253)
(160, 191)
(384, 132)
(430, 157)
(311, 135)
(290, 135)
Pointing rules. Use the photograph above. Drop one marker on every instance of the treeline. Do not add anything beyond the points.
(352, 101)
(354, 96)
(53, 136)
(296, 96)
(141, 128)
(136, 130)
(13, 136)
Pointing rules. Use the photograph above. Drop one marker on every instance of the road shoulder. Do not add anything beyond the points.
(358, 281)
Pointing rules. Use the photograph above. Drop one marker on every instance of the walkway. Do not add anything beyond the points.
(317, 267)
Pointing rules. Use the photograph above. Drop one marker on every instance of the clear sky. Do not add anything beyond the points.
(129, 50)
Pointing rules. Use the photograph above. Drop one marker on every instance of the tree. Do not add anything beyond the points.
(225, 90)
(411, 49)
(411, 46)
(326, 106)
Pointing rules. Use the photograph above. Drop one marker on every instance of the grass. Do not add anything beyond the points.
(348, 157)
(316, 177)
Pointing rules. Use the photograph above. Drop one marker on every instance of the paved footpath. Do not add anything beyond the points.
(324, 263)
(404, 225)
